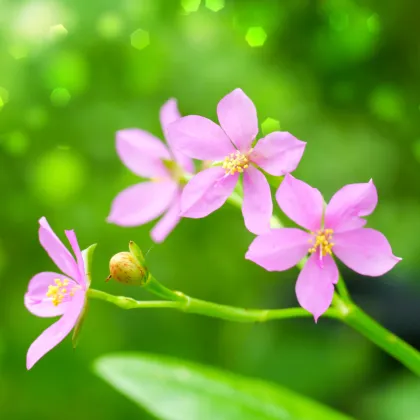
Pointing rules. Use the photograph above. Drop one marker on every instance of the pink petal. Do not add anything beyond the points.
(142, 153)
(56, 250)
(199, 138)
(278, 153)
(365, 251)
(54, 334)
(168, 114)
(168, 222)
(257, 207)
(36, 300)
(315, 285)
(206, 192)
(349, 204)
(238, 118)
(279, 249)
(142, 203)
(300, 202)
(71, 236)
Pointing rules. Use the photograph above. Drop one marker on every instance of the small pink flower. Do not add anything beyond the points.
(148, 157)
(339, 230)
(53, 294)
(231, 143)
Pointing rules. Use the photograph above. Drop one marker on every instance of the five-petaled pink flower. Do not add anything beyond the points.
(146, 156)
(53, 294)
(339, 230)
(231, 144)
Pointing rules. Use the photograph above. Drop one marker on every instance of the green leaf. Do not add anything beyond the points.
(177, 390)
(397, 397)
(137, 252)
(79, 324)
(87, 255)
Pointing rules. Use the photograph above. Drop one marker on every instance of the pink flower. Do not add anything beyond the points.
(231, 143)
(148, 157)
(55, 294)
(338, 230)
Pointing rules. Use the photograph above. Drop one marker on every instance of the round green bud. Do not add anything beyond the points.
(125, 268)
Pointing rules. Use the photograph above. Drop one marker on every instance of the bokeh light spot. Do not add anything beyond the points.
(2, 262)
(342, 91)
(348, 38)
(18, 51)
(109, 25)
(387, 103)
(256, 36)
(36, 117)
(416, 149)
(36, 19)
(190, 5)
(58, 176)
(269, 125)
(215, 5)
(374, 23)
(60, 97)
(4, 95)
(339, 20)
(137, 10)
(140, 39)
(15, 143)
(58, 32)
(67, 69)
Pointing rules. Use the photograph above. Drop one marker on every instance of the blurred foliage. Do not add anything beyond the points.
(175, 389)
(339, 74)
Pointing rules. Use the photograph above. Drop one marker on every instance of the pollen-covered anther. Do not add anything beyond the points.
(58, 292)
(236, 162)
(322, 240)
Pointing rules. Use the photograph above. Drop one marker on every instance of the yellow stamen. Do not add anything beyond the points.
(322, 241)
(58, 292)
(236, 162)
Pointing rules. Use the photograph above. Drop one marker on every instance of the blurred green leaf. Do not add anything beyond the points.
(173, 390)
(397, 398)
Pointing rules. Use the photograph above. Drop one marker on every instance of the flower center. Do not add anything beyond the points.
(60, 291)
(236, 162)
(175, 170)
(322, 241)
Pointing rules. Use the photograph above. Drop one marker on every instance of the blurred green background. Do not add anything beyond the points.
(342, 75)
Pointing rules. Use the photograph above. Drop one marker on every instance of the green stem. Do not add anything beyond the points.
(349, 313)
(353, 316)
(235, 199)
(196, 306)
(342, 308)
(129, 303)
(342, 289)
(158, 289)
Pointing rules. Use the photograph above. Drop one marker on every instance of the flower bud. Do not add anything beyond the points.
(128, 267)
